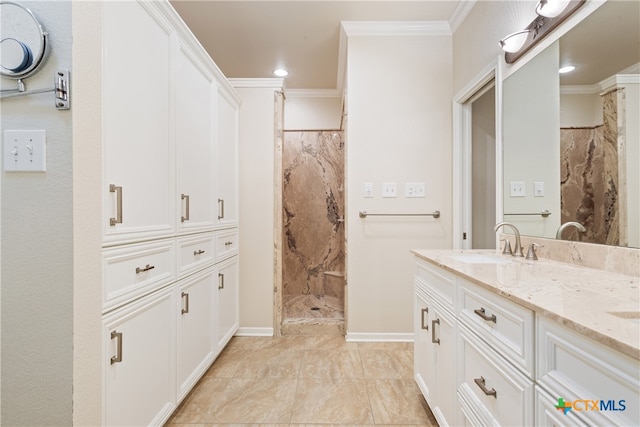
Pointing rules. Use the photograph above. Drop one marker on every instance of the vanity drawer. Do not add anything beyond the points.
(505, 325)
(227, 243)
(134, 270)
(491, 386)
(439, 283)
(195, 253)
(578, 368)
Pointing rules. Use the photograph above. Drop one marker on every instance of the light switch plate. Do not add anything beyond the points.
(368, 189)
(25, 150)
(517, 189)
(538, 189)
(414, 189)
(389, 189)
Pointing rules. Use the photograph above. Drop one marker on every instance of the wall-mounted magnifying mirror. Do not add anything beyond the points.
(23, 42)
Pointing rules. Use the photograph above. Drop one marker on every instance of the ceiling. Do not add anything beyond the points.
(249, 39)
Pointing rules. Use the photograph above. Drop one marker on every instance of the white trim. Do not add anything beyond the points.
(378, 337)
(462, 151)
(396, 28)
(342, 60)
(254, 332)
(579, 89)
(460, 14)
(276, 83)
(313, 93)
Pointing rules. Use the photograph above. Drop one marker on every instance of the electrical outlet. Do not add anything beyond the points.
(538, 189)
(518, 189)
(25, 150)
(389, 189)
(414, 189)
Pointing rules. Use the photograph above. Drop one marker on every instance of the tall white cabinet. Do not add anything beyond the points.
(170, 250)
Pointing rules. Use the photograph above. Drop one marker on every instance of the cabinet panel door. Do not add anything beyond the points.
(196, 320)
(423, 358)
(139, 361)
(137, 153)
(443, 337)
(227, 160)
(228, 300)
(196, 93)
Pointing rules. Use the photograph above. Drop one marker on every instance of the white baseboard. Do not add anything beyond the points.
(254, 332)
(378, 337)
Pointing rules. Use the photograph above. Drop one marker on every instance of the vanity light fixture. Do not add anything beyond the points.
(551, 13)
(566, 69)
(280, 72)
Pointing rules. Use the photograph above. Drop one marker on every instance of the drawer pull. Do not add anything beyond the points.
(199, 252)
(424, 311)
(228, 243)
(433, 331)
(480, 382)
(220, 281)
(118, 190)
(146, 268)
(185, 309)
(118, 357)
(185, 197)
(220, 208)
(480, 312)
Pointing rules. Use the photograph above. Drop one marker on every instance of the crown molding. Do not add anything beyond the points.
(461, 12)
(313, 93)
(277, 83)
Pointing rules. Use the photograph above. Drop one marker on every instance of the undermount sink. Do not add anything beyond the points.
(633, 316)
(480, 259)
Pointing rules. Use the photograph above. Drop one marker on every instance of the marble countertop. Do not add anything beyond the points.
(580, 298)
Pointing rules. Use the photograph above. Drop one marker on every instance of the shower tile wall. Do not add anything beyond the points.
(313, 207)
(589, 177)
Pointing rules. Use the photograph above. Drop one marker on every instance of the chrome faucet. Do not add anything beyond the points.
(517, 250)
(566, 225)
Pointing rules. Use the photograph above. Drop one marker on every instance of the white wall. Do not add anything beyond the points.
(312, 110)
(399, 130)
(580, 110)
(632, 93)
(257, 193)
(37, 282)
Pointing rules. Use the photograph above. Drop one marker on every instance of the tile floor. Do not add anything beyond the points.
(307, 380)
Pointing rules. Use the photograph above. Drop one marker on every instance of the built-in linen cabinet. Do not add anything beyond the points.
(170, 237)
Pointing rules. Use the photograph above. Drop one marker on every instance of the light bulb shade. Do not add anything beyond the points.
(551, 8)
(514, 42)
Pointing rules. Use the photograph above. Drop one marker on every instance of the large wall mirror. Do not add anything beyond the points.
(572, 141)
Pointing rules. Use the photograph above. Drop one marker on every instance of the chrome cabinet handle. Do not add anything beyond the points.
(118, 357)
(118, 190)
(220, 208)
(433, 331)
(199, 252)
(185, 308)
(143, 269)
(185, 197)
(480, 312)
(424, 311)
(481, 383)
(220, 281)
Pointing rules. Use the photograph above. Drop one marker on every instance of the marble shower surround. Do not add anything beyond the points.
(592, 184)
(313, 207)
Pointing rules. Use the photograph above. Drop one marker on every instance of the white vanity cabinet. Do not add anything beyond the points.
(170, 249)
(139, 341)
(434, 342)
(138, 183)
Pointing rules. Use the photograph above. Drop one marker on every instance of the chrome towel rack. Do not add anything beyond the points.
(543, 213)
(364, 214)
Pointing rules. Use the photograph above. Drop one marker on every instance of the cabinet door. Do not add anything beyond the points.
(196, 93)
(423, 358)
(138, 152)
(196, 332)
(139, 361)
(227, 160)
(228, 297)
(443, 336)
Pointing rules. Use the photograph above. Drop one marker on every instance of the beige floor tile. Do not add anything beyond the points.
(396, 402)
(385, 346)
(239, 401)
(330, 342)
(260, 364)
(331, 364)
(384, 364)
(327, 401)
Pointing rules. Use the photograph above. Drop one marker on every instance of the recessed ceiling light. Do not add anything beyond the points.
(281, 72)
(567, 69)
